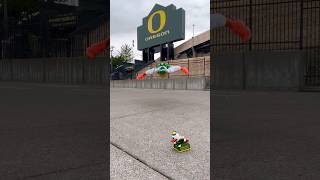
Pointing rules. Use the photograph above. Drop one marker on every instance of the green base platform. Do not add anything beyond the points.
(184, 147)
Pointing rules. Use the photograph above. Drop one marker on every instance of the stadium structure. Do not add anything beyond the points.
(193, 53)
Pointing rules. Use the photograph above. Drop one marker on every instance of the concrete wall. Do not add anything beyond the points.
(59, 70)
(259, 70)
(202, 83)
(228, 71)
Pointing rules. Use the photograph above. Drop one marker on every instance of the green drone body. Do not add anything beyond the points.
(162, 69)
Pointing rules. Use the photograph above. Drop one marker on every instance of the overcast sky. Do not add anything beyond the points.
(127, 15)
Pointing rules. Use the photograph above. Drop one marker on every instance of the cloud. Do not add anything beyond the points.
(127, 15)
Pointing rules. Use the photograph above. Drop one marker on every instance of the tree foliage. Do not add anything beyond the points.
(124, 55)
(15, 7)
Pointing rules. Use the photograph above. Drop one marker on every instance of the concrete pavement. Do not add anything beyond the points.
(123, 166)
(266, 135)
(52, 131)
(141, 121)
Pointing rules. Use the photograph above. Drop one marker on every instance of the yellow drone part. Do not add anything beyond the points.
(180, 151)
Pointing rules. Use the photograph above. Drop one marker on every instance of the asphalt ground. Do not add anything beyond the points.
(52, 131)
(123, 166)
(141, 121)
(266, 135)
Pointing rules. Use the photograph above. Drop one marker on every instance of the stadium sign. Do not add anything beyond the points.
(162, 25)
(63, 20)
(67, 2)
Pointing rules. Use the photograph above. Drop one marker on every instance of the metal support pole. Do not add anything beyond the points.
(204, 66)
(301, 24)
(193, 50)
(5, 19)
(111, 66)
(162, 58)
(44, 29)
(5, 29)
(188, 67)
(250, 25)
(168, 51)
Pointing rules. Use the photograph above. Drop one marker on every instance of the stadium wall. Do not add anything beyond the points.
(269, 70)
(195, 83)
(57, 70)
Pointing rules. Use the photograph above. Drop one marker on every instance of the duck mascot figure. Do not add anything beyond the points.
(180, 143)
(162, 69)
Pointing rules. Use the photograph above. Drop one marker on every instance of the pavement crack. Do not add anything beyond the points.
(141, 161)
(138, 113)
(63, 170)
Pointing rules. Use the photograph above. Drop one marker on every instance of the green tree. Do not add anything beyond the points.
(15, 7)
(127, 53)
(124, 55)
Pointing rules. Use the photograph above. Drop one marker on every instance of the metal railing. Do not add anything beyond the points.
(276, 26)
(26, 41)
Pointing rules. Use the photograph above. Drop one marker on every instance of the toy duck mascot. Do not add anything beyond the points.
(180, 143)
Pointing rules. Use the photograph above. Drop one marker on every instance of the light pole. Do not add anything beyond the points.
(193, 30)
(193, 50)
(111, 51)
